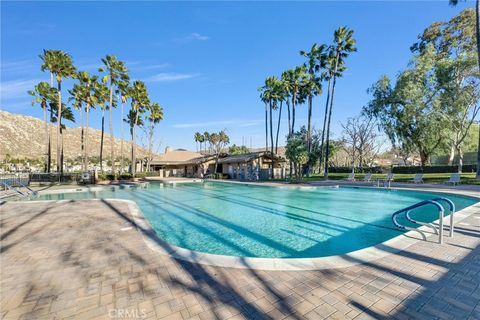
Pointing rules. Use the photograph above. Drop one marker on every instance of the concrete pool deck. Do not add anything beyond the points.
(85, 260)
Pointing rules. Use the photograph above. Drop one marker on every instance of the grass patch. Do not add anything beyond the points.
(467, 178)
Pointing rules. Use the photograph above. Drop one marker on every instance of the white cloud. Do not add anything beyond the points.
(170, 76)
(198, 36)
(16, 88)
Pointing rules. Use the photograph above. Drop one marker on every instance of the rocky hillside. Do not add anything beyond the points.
(24, 137)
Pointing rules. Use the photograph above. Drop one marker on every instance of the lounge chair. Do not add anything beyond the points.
(351, 177)
(454, 179)
(368, 177)
(387, 180)
(418, 178)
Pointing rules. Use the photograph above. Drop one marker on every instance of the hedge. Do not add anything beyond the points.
(433, 169)
(357, 170)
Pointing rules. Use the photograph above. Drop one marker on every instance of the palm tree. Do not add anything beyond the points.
(477, 23)
(281, 95)
(123, 89)
(88, 86)
(312, 83)
(61, 66)
(344, 44)
(201, 139)
(264, 96)
(270, 96)
(101, 97)
(48, 58)
(196, 137)
(43, 94)
(116, 73)
(328, 62)
(154, 117)
(76, 97)
(66, 114)
(140, 101)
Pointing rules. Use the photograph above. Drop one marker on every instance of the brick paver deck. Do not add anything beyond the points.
(83, 260)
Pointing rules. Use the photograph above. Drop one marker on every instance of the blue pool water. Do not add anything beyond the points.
(260, 221)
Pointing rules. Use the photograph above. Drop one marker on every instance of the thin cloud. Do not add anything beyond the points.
(16, 88)
(171, 76)
(20, 66)
(198, 36)
(238, 123)
(195, 36)
(149, 67)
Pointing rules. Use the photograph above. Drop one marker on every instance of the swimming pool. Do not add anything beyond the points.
(270, 222)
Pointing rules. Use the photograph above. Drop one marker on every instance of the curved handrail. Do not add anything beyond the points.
(431, 225)
(417, 205)
(452, 212)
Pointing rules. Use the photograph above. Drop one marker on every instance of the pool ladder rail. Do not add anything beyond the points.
(27, 194)
(441, 211)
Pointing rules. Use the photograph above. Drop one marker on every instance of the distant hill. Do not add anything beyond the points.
(24, 137)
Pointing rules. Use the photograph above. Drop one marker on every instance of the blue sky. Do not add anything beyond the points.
(203, 61)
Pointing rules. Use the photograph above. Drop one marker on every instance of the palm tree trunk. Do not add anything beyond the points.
(289, 117)
(121, 141)
(59, 117)
(294, 102)
(477, 16)
(110, 124)
(266, 127)
(134, 151)
(271, 138)
(47, 136)
(327, 149)
(85, 157)
(150, 145)
(271, 128)
(278, 126)
(62, 155)
(324, 124)
(309, 129)
(82, 136)
(289, 134)
(101, 140)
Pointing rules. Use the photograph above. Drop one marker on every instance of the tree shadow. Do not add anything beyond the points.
(450, 296)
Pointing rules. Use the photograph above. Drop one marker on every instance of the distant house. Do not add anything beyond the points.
(180, 163)
(248, 166)
(252, 165)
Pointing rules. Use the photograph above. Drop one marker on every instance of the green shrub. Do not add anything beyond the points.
(433, 169)
(125, 176)
(357, 170)
(218, 176)
(140, 175)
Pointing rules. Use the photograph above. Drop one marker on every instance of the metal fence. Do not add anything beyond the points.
(17, 179)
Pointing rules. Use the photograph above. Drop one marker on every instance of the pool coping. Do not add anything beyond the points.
(393, 245)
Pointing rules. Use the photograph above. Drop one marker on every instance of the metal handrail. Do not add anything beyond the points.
(431, 225)
(27, 187)
(417, 205)
(452, 212)
(9, 187)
